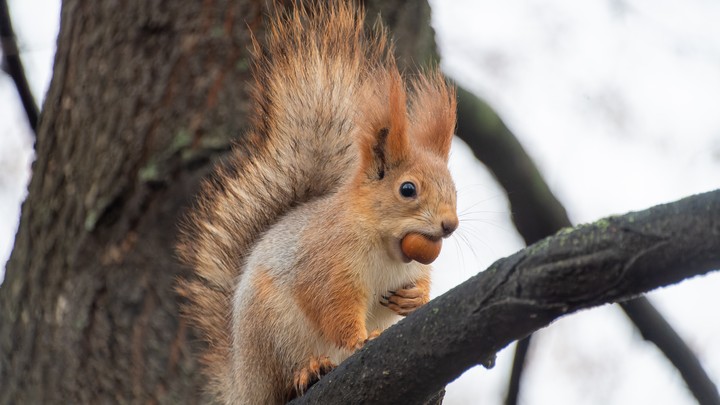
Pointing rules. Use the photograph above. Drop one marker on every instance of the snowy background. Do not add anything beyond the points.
(616, 100)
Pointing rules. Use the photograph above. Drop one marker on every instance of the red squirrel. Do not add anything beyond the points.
(316, 234)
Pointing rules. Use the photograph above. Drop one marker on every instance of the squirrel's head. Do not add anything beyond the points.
(403, 179)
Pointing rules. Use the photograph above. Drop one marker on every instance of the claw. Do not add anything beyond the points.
(375, 333)
(310, 374)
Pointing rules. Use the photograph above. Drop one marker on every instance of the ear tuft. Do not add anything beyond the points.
(433, 112)
(382, 123)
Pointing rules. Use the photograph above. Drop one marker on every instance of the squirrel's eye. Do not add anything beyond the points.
(408, 190)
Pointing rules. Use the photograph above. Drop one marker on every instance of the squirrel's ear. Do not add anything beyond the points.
(433, 113)
(384, 141)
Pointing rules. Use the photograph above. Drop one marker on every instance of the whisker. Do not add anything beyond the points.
(473, 251)
(475, 204)
(499, 225)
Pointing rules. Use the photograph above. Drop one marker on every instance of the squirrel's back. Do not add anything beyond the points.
(306, 93)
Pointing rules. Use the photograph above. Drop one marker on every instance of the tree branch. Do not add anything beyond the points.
(537, 213)
(14, 67)
(521, 350)
(611, 260)
(655, 328)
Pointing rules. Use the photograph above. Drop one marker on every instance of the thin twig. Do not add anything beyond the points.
(13, 66)
(521, 350)
(656, 329)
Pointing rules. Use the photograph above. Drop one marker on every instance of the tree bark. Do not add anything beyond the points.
(144, 95)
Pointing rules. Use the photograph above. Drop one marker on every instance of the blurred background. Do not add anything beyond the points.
(617, 103)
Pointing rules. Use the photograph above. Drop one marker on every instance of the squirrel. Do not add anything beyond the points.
(317, 232)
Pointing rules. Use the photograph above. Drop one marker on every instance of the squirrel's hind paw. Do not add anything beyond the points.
(375, 333)
(307, 376)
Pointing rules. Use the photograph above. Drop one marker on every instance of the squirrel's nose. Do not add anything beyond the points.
(449, 226)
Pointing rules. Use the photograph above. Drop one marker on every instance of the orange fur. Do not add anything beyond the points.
(433, 112)
(398, 143)
(333, 299)
(296, 239)
(383, 134)
(424, 285)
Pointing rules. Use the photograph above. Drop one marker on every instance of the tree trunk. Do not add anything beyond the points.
(145, 94)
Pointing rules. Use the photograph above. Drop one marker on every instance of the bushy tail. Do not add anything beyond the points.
(308, 78)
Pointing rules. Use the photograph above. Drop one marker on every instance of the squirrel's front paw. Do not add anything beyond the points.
(405, 300)
(310, 374)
